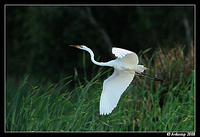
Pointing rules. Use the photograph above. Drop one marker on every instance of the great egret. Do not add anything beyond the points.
(125, 67)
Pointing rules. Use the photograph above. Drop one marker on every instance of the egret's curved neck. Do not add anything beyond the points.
(95, 62)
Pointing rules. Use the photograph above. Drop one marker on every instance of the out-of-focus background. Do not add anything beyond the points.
(51, 86)
(37, 37)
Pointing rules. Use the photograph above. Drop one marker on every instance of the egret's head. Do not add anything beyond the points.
(79, 46)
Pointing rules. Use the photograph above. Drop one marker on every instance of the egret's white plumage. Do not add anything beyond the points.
(113, 87)
(116, 84)
(120, 53)
(125, 67)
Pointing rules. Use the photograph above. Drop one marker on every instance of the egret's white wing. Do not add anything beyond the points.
(120, 53)
(125, 56)
(113, 87)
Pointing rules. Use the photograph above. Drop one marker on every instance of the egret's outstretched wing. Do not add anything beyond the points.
(113, 87)
(125, 56)
(120, 53)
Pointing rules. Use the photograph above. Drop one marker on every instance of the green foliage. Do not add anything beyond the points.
(37, 39)
(54, 108)
(145, 106)
(37, 36)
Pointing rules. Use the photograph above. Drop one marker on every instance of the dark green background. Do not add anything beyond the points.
(37, 36)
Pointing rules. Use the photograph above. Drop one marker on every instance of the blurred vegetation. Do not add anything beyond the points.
(146, 105)
(37, 36)
(53, 87)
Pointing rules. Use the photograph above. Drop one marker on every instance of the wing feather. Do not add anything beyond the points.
(125, 56)
(120, 53)
(113, 87)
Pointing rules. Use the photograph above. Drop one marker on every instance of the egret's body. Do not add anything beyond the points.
(125, 67)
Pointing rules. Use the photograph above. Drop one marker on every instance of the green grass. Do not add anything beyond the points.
(145, 106)
(54, 108)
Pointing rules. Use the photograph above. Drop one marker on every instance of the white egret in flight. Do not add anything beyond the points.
(125, 67)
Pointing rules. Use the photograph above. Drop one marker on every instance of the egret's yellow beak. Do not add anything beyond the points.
(75, 46)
